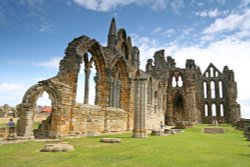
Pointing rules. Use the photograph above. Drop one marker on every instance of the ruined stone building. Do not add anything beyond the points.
(125, 97)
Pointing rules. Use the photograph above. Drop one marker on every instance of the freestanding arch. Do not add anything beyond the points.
(27, 109)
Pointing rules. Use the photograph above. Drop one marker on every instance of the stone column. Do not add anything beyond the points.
(118, 91)
(25, 122)
(86, 88)
(96, 79)
(139, 130)
(111, 95)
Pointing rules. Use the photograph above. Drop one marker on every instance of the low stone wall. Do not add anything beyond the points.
(240, 125)
(153, 118)
(3, 132)
(91, 120)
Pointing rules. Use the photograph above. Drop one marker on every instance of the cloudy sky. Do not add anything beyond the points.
(35, 33)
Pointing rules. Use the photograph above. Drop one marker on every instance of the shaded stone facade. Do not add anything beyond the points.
(125, 97)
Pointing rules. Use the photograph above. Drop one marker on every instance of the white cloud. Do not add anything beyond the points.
(207, 38)
(212, 13)
(52, 63)
(230, 23)
(31, 13)
(157, 30)
(244, 3)
(177, 5)
(168, 32)
(107, 5)
(12, 93)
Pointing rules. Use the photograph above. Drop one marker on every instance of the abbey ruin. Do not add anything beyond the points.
(126, 97)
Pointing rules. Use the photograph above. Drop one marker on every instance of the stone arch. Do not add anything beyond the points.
(121, 76)
(175, 107)
(33, 93)
(178, 107)
(27, 109)
(70, 65)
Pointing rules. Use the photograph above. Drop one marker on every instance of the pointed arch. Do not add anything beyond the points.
(205, 89)
(205, 110)
(220, 89)
(212, 89)
(214, 111)
(28, 106)
(119, 85)
(75, 56)
(222, 109)
(180, 81)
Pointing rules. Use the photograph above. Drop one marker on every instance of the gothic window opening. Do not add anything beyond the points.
(207, 75)
(206, 110)
(221, 110)
(213, 110)
(80, 85)
(205, 89)
(174, 83)
(216, 74)
(92, 87)
(180, 82)
(211, 72)
(87, 81)
(115, 89)
(212, 89)
(177, 81)
(220, 89)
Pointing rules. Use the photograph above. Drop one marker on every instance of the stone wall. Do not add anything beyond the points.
(90, 119)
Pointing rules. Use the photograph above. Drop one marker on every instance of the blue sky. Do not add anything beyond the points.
(35, 33)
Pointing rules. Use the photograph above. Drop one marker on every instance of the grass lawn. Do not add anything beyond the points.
(189, 149)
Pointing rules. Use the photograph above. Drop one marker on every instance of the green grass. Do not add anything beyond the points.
(189, 149)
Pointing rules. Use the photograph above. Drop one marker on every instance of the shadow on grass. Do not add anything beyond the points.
(245, 155)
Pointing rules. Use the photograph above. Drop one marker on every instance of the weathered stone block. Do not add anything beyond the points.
(111, 140)
(59, 147)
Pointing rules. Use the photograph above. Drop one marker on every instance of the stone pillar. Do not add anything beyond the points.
(25, 122)
(55, 123)
(118, 92)
(96, 78)
(86, 88)
(139, 130)
(111, 95)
